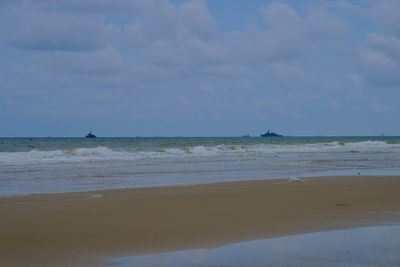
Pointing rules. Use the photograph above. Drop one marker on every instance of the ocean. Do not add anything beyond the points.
(52, 165)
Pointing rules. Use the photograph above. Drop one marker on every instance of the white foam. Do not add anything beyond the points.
(364, 146)
(102, 153)
(79, 154)
(205, 151)
(296, 179)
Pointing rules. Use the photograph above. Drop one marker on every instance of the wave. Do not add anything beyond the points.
(361, 147)
(77, 154)
(103, 153)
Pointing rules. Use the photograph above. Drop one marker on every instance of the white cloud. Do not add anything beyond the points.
(377, 60)
(380, 68)
(356, 80)
(148, 56)
(321, 25)
(386, 15)
(88, 6)
(34, 29)
(173, 35)
(99, 62)
(168, 22)
(388, 44)
(380, 56)
(280, 15)
(288, 35)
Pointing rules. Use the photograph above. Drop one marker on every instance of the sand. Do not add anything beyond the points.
(88, 229)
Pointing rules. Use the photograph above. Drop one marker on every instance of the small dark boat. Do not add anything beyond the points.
(271, 134)
(90, 135)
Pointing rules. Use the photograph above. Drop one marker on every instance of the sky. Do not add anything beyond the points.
(199, 68)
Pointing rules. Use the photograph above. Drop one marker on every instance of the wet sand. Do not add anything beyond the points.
(88, 229)
(355, 247)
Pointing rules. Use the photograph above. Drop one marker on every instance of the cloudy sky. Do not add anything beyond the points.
(199, 68)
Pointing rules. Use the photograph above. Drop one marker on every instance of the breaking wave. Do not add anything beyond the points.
(102, 153)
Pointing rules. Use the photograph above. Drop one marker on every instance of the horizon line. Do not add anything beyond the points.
(205, 136)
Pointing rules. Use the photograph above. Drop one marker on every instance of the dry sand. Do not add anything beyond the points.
(88, 229)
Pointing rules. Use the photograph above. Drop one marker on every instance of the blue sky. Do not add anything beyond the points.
(199, 68)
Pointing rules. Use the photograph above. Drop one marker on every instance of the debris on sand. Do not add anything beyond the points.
(295, 179)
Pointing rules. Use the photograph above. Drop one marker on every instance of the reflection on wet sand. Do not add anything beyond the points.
(369, 246)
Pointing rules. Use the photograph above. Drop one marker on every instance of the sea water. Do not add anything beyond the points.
(361, 247)
(45, 165)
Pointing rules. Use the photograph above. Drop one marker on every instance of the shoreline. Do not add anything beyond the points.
(319, 175)
(90, 228)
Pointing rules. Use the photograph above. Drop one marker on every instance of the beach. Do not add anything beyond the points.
(91, 228)
(199, 133)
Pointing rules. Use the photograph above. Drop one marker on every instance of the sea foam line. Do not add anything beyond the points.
(105, 153)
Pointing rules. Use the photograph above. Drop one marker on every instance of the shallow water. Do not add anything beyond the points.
(44, 165)
(360, 247)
